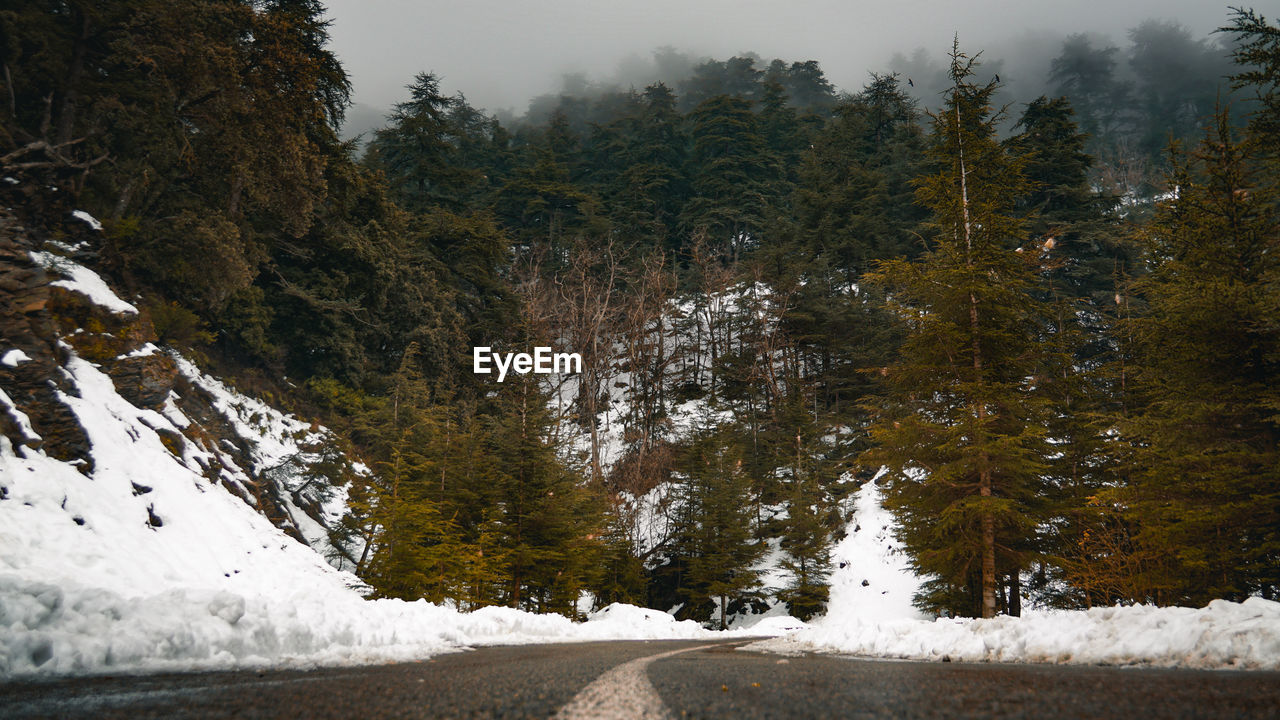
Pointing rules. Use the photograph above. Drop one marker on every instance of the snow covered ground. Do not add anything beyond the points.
(872, 578)
(71, 629)
(876, 619)
(1222, 635)
(157, 559)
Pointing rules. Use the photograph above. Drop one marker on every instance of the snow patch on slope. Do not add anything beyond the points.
(872, 579)
(145, 521)
(80, 279)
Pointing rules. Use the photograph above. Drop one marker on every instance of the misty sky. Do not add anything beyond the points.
(501, 53)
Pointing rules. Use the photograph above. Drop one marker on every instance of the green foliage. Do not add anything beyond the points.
(716, 538)
(1257, 58)
(734, 176)
(1204, 485)
(550, 522)
(961, 426)
(425, 146)
(178, 326)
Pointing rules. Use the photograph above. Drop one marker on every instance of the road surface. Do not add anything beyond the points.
(657, 679)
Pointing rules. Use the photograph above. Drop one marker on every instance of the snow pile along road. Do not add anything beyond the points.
(1222, 635)
(870, 615)
(51, 630)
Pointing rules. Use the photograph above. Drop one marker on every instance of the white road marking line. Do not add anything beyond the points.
(622, 693)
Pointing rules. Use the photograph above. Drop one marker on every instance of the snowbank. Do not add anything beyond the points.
(50, 629)
(870, 614)
(1222, 635)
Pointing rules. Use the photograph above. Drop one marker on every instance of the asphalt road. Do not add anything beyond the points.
(672, 679)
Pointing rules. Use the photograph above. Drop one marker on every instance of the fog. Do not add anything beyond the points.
(502, 53)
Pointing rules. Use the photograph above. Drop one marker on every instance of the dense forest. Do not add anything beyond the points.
(1050, 328)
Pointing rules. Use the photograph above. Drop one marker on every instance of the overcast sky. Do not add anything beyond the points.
(501, 53)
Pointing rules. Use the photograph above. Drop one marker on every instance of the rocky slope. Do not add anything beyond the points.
(57, 313)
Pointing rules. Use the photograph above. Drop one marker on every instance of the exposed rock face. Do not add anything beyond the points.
(26, 324)
(43, 322)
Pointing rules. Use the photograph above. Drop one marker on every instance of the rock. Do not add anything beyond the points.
(146, 380)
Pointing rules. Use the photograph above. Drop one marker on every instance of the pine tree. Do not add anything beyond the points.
(414, 550)
(1257, 57)
(552, 522)
(1205, 484)
(1085, 256)
(961, 427)
(717, 535)
(805, 533)
(734, 177)
(1088, 77)
(419, 150)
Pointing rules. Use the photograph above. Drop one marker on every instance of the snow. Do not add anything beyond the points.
(14, 358)
(280, 447)
(876, 582)
(1222, 635)
(20, 418)
(87, 218)
(69, 629)
(877, 620)
(81, 279)
(62, 527)
(146, 350)
(153, 562)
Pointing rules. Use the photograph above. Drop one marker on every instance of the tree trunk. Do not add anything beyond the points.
(1015, 594)
(67, 108)
(988, 551)
(980, 411)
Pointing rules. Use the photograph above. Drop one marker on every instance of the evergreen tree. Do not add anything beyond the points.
(734, 177)
(852, 207)
(736, 77)
(805, 533)
(961, 426)
(808, 88)
(1179, 79)
(1257, 57)
(543, 203)
(552, 523)
(1089, 77)
(412, 550)
(419, 151)
(640, 167)
(1085, 257)
(716, 532)
(1205, 488)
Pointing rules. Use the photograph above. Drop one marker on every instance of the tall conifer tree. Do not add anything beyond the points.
(961, 427)
(1205, 480)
